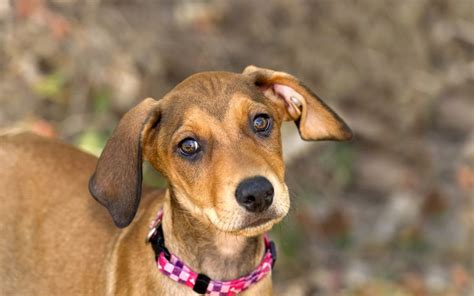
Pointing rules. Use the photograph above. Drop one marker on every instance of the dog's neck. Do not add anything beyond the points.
(219, 255)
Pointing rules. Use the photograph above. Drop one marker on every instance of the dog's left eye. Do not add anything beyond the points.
(261, 124)
(188, 147)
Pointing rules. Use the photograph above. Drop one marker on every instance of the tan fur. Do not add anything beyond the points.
(57, 240)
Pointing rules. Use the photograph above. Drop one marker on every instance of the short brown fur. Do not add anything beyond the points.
(56, 240)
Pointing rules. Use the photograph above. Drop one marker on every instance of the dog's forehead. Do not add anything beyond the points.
(211, 92)
(213, 83)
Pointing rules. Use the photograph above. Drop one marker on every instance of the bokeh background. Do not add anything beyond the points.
(390, 213)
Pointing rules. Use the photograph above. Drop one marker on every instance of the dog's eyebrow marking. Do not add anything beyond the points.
(206, 125)
(225, 129)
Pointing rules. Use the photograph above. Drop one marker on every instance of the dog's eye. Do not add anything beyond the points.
(262, 124)
(188, 147)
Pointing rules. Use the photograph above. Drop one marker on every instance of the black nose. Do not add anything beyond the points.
(255, 194)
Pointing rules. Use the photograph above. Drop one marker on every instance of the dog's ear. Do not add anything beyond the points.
(117, 180)
(314, 119)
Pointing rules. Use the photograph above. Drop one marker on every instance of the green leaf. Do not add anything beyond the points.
(91, 141)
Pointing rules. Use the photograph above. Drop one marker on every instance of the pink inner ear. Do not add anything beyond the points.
(294, 101)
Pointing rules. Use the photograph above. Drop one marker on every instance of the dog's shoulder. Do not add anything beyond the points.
(31, 148)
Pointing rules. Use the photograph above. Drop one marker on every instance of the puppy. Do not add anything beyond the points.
(215, 137)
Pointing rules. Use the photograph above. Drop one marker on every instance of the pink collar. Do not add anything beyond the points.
(175, 269)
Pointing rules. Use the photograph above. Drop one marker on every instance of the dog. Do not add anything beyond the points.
(216, 139)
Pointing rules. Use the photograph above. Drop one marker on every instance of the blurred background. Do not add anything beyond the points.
(390, 213)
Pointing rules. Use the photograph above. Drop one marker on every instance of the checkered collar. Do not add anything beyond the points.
(175, 269)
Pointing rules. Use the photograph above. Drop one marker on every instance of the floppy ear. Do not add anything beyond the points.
(314, 119)
(117, 180)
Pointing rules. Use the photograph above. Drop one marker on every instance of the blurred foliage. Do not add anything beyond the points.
(340, 161)
(101, 102)
(50, 86)
(390, 213)
(91, 141)
(153, 178)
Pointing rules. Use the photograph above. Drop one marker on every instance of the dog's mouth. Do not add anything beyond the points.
(240, 222)
(259, 225)
(258, 222)
(248, 226)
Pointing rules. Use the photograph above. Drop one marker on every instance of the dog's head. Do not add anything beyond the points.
(216, 137)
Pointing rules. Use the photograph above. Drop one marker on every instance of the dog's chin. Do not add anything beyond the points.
(248, 227)
(258, 227)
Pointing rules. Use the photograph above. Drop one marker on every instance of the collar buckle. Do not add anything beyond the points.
(202, 282)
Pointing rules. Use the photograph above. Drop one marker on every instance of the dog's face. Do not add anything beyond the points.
(219, 146)
(216, 137)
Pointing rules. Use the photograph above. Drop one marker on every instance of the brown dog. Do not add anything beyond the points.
(215, 137)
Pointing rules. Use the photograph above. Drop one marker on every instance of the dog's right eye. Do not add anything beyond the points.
(188, 147)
